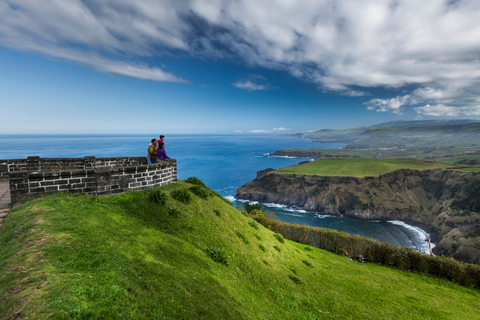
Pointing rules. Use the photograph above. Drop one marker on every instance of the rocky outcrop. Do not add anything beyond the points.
(423, 197)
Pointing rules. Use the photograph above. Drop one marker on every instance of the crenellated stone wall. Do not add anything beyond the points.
(34, 176)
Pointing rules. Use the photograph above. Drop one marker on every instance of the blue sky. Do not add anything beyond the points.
(218, 66)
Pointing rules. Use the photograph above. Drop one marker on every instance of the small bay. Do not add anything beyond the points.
(222, 162)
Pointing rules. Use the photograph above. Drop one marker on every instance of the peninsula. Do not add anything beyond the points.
(437, 187)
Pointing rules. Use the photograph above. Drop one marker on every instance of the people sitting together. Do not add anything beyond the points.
(156, 151)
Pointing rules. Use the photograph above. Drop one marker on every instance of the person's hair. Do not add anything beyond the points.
(153, 140)
(161, 144)
(161, 137)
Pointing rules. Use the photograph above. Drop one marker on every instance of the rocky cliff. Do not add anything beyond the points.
(424, 197)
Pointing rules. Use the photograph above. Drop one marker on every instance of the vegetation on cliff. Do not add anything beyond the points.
(439, 195)
(182, 252)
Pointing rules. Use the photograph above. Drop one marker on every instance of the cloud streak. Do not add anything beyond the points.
(346, 47)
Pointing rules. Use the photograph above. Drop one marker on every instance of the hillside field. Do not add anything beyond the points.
(155, 254)
(359, 167)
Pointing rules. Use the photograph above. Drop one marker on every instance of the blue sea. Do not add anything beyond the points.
(223, 162)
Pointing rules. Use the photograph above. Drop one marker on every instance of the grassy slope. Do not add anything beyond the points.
(360, 167)
(69, 256)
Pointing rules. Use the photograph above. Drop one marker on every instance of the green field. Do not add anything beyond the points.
(66, 256)
(360, 167)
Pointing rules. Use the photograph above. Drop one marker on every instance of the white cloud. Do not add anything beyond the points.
(447, 111)
(281, 129)
(394, 105)
(249, 85)
(260, 131)
(344, 46)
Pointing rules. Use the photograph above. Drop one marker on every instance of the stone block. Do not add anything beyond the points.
(51, 189)
(37, 190)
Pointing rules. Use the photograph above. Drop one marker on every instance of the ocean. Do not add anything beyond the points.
(223, 163)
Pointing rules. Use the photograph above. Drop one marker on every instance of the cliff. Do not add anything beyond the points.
(424, 196)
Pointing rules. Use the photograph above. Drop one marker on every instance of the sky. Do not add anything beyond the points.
(234, 66)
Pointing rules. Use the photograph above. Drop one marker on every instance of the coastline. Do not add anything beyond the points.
(418, 230)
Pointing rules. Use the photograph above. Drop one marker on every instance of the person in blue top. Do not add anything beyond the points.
(161, 154)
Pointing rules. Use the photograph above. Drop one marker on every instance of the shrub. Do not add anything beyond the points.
(279, 237)
(257, 212)
(218, 255)
(295, 279)
(277, 248)
(182, 195)
(254, 224)
(195, 181)
(250, 207)
(200, 191)
(158, 196)
(174, 211)
(377, 252)
(262, 247)
(308, 263)
(270, 214)
(242, 236)
(217, 212)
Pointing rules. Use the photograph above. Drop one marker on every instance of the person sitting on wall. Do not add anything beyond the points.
(152, 152)
(161, 154)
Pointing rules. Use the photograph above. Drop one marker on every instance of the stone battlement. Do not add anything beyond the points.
(35, 176)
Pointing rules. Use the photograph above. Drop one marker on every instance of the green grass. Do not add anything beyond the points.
(470, 169)
(66, 256)
(359, 167)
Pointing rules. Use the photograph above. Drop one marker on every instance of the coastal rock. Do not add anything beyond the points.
(423, 197)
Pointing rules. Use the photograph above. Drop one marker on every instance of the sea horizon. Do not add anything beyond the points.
(223, 162)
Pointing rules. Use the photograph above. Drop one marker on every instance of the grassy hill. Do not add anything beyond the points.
(156, 255)
(421, 136)
(360, 167)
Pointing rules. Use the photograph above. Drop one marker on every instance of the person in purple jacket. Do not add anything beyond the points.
(161, 154)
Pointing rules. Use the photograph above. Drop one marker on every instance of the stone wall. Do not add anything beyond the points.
(34, 176)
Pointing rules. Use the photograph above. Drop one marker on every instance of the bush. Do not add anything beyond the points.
(200, 191)
(242, 236)
(174, 211)
(195, 181)
(218, 255)
(257, 212)
(277, 248)
(376, 251)
(251, 207)
(182, 195)
(270, 214)
(262, 247)
(295, 279)
(308, 263)
(158, 196)
(279, 237)
(217, 212)
(254, 224)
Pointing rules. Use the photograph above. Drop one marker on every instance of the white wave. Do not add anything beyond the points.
(322, 216)
(230, 198)
(274, 205)
(422, 234)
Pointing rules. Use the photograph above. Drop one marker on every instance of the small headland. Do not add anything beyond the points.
(434, 194)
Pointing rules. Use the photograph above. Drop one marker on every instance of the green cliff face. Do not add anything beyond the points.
(423, 196)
